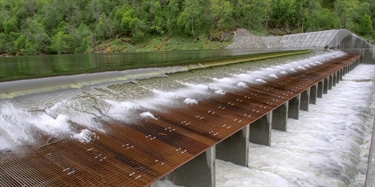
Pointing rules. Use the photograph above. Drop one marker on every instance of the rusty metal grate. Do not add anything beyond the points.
(139, 154)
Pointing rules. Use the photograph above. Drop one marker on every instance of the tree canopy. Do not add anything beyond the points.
(29, 27)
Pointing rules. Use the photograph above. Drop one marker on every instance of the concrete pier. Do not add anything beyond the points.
(325, 85)
(345, 70)
(330, 82)
(294, 107)
(260, 130)
(320, 89)
(334, 80)
(197, 172)
(238, 143)
(313, 94)
(280, 117)
(305, 100)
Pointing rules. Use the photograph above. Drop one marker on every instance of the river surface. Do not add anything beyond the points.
(335, 132)
(26, 67)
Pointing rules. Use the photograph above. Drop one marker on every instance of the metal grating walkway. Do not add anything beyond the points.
(139, 154)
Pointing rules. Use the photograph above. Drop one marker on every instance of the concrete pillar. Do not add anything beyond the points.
(334, 80)
(260, 130)
(313, 94)
(341, 74)
(155, 184)
(330, 82)
(235, 148)
(325, 85)
(294, 106)
(197, 172)
(305, 100)
(280, 117)
(348, 68)
(320, 89)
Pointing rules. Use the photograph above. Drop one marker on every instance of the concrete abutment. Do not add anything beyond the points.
(237, 143)
(294, 107)
(260, 130)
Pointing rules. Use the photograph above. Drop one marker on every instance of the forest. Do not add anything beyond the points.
(33, 27)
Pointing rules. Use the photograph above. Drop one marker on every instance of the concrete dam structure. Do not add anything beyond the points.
(177, 135)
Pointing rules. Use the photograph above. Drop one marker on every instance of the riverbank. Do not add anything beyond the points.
(239, 39)
(166, 43)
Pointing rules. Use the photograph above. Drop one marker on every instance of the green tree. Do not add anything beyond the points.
(283, 14)
(9, 26)
(350, 12)
(173, 9)
(154, 12)
(51, 17)
(252, 14)
(364, 26)
(125, 20)
(104, 29)
(83, 38)
(62, 43)
(191, 19)
(221, 13)
(323, 20)
(35, 39)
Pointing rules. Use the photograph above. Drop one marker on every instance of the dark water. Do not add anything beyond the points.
(26, 67)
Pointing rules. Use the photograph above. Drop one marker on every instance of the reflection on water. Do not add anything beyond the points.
(25, 67)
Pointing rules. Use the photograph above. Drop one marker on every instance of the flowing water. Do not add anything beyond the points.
(328, 146)
(334, 139)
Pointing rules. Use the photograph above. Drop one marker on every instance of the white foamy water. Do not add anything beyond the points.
(328, 146)
(242, 85)
(190, 101)
(85, 136)
(147, 115)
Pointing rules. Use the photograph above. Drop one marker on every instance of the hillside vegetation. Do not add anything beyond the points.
(29, 27)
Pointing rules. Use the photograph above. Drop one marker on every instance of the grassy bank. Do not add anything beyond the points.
(158, 44)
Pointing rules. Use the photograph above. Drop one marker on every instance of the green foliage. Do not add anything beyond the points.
(191, 19)
(252, 14)
(104, 29)
(30, 27)
(61, 43)
(285, 14)
(364, 26)
(221, 13)
(9, 26)
(325, 19)
(125, 20)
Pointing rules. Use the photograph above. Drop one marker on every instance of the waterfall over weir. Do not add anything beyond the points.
(135, 133)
